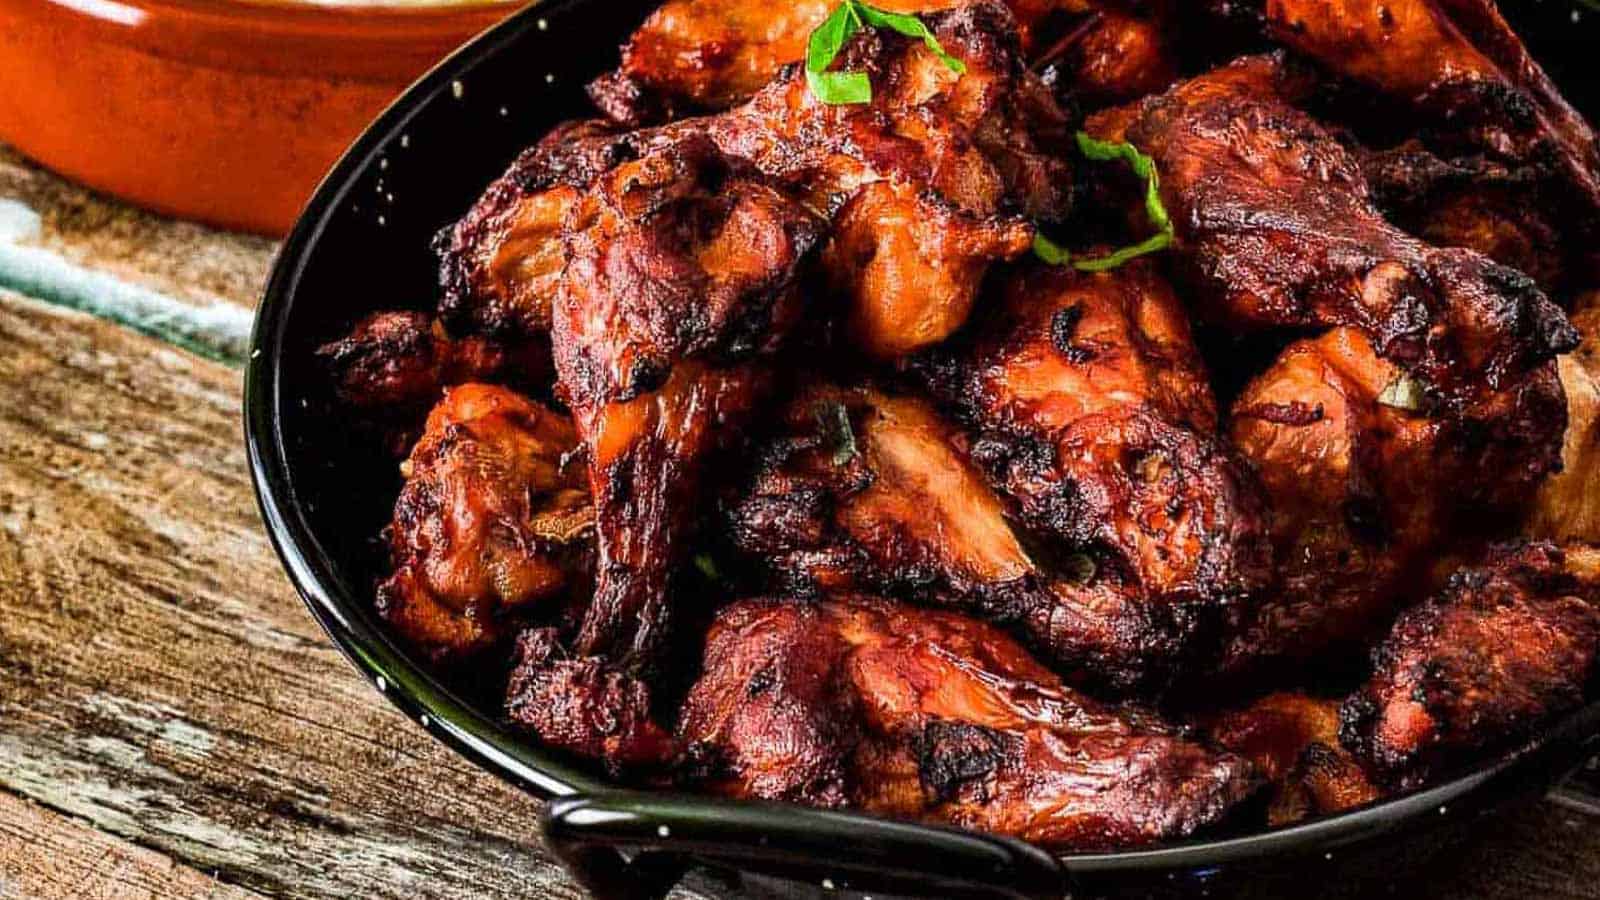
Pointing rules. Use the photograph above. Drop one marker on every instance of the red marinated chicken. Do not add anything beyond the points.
(801, 348)
(1092, 412)
(493, 526)
(711, 54)
(1502, 649)
(863, 490)
(680, 278)
(863, 703)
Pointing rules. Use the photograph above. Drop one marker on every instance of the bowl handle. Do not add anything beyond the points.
(631, 844)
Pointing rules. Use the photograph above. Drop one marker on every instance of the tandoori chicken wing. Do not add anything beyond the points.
(698, 55)
(1456, 66)
(492, 526)
(861, 489)
(680, 278)
(1503, 648)
(1093, 412)
(917, 714)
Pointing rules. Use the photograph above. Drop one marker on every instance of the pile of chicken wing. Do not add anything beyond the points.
(1127, 418)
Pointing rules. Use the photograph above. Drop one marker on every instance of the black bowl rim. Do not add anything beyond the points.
(422, 697)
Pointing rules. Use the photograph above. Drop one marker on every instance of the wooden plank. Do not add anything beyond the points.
(45, 856)
(159, 679)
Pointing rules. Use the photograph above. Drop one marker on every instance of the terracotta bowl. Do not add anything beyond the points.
(226, 111)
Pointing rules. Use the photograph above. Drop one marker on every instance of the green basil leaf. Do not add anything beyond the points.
(1050, 251)
(840, 88)
(911, 27)
(849, 17)
(1142, 166)
(829, 37)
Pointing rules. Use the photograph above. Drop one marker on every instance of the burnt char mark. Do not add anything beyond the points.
(958, 759)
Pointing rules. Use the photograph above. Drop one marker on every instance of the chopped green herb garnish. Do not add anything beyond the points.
(1405, 392)
(849, 17)
(1142, 166)
(707, 567)
(834, 420)
(1079, 568)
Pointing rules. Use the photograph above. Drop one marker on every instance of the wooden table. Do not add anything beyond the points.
(172, 721)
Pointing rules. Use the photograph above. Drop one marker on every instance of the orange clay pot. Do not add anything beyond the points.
(226, 111)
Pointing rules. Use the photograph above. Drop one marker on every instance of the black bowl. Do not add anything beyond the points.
(363, 244)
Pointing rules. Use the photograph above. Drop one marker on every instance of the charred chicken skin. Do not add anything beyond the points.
(1093, 413)
(1456, 64)
(680, 278)
(924, 187)
(863, 703)
(678, 283)
(397, 361)
(698, 55)
(1436, 392)
(1503, 648)
(863, 490)
(492, 525)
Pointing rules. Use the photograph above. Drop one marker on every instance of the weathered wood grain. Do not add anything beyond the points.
(46, 856)
(158, 678)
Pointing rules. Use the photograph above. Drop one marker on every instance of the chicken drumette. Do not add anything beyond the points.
(924, 187)
(493, 525)
(1502, 649)
(1092, 411)
(862, 489)
(928, 715)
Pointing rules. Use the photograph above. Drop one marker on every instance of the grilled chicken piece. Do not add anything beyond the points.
(1293, 741)
(400, 361)
(1354, 494)
(1459, 68)
(1276, 228)
(587, 706)
(859, 702)
(678, 283)
(1502, 649)
(680, 279)
(1567, 507)
(492, 527)
(929, 184)
(866, 491)
(697, 55)
(500, 265)
(1500, 212)
(1093, 413)
(1365, 485)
